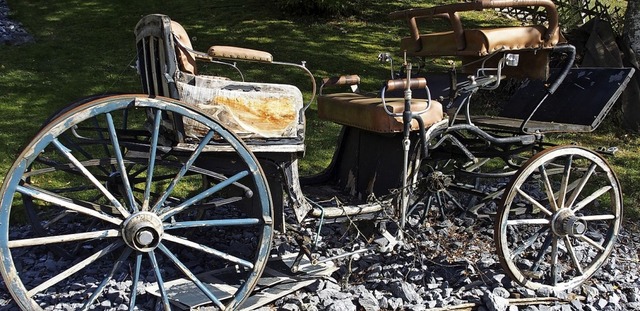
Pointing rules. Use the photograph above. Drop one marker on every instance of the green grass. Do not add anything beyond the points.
(87, 47)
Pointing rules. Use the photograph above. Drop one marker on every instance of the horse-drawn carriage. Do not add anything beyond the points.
(191, 179)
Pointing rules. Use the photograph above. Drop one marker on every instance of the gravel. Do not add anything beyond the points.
(430, 271)
(442, 264)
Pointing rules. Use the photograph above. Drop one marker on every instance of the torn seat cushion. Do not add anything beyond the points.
(368, 113)
(250, 110)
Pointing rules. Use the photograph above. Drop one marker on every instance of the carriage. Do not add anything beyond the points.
(183, 188)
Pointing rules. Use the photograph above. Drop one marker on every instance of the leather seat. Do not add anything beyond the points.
(368, 113)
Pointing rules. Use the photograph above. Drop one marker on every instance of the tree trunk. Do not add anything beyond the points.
(632, 25)
(631, 40)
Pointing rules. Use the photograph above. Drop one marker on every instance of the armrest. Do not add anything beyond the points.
(450, 11)
(236, 53)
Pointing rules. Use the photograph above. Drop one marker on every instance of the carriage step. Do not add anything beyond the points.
(276, 281)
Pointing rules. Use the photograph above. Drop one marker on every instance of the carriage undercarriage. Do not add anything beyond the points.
(171, 192)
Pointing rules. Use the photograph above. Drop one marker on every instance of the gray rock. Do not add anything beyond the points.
(395, 303)
(316, 286)
(105, 304)
(577, 305)
(614, 298)
(602, 303)
(383, 302)
(494, 302)
(290, 307)
(633, 306)
(366, 299)
(526, 292)
(633, 294)
(501, 292)
(406, 291)
(543, 292)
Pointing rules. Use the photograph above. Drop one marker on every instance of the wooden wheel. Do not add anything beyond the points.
(558, 218)
(107, 182)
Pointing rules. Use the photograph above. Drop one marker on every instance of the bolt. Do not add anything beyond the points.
(144, 237)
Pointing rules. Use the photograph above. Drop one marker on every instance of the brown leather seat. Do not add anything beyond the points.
(483, 48)
(481, 42)
(368, 113)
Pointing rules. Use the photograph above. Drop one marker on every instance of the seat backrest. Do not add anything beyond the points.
(478, 48)
(159, 58)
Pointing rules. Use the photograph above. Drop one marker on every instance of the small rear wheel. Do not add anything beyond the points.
(558, 218)
(133, 208)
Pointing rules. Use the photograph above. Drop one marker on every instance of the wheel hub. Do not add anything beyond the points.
(437, 181)
(565, 222)
(142, 231)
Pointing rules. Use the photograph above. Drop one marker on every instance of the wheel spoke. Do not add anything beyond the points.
(554, 261)
(572, 254)
(590, 198)
(110, 233)
(583, 182)
(185, 168)
(191, 276)
(105, 281)
(81, 150)
(152, 159)
(549, 190)
(453, 199)
(101, 136)
(597, 217)
(534, 202)
(516, 252)
(163, 291)
(521, 222)
(203, 195)
(77, 267)
(565, 181)
(121, 167)
(545, 245)
(591, 242)
(212, 223)
(64, 202)
(208, 250)
(67, 153)
(134, 285)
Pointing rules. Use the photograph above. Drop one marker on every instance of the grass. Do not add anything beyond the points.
(87, 47)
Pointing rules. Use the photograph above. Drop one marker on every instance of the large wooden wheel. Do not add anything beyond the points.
(558, 219)
(104, 195)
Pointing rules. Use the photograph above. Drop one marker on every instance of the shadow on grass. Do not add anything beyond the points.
(87, 47)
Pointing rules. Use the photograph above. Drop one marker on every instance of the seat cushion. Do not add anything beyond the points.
(368, 113)
(250, 110)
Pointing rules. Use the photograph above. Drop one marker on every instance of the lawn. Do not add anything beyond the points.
(88, 47)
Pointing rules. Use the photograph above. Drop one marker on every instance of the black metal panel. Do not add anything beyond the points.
(584, 97)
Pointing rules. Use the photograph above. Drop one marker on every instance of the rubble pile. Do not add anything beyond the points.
(451, 265)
